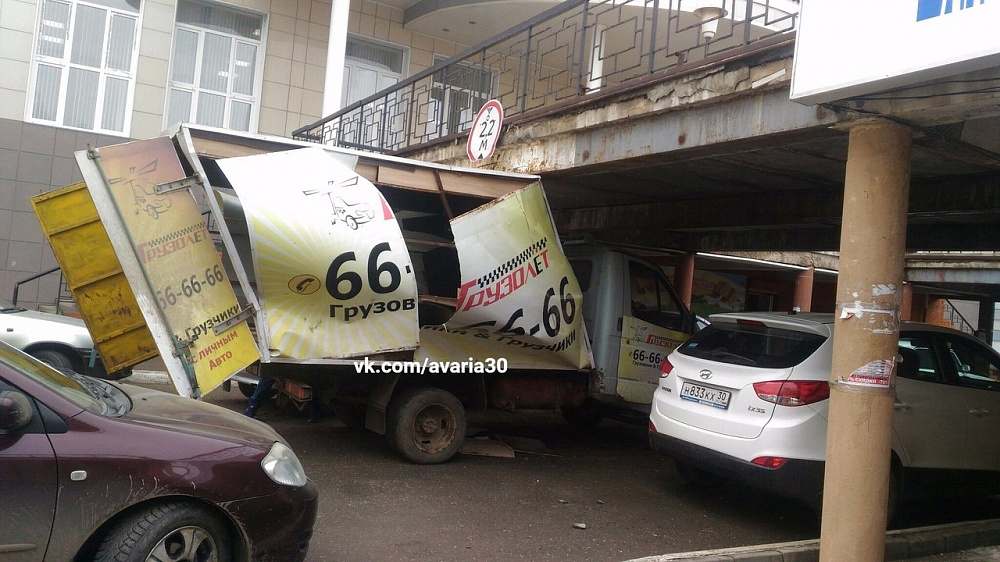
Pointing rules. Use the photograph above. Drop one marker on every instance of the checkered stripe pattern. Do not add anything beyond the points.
(512, 264)
(177, 234)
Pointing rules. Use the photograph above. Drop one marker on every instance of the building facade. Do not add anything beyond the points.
(79, 73)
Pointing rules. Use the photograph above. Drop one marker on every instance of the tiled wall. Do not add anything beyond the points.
(34, 159)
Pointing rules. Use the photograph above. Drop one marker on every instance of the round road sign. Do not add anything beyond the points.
(485, 131)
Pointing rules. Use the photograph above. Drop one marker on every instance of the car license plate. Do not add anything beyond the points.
(706, 395)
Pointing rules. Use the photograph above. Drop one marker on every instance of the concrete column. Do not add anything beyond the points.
(804, 290)
(333, 87)
(906, 307)
(986, 313)
(684, 278)
(866, 334)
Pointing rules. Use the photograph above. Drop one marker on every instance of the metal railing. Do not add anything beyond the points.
(62, 292)
(957, 319)
(569, 53)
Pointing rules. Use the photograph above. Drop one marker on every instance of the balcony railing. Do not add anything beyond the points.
(571, 52)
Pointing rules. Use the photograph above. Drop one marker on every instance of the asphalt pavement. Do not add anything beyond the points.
(533, 531)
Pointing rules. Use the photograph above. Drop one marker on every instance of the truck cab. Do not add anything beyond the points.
(634, 319)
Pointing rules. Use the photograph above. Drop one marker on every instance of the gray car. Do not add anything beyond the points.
(61, 341)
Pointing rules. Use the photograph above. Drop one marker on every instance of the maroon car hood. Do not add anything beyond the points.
(169, 411)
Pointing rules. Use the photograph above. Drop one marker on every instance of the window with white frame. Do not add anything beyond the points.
(215, 75)
(83, 68)
(371, 67)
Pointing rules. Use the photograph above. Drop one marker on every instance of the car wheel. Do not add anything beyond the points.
(426, 425)
(697, 476)
(57, 359)
(172, 531)
(352, 222)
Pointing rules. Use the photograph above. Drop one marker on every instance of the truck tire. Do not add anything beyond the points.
(426, 425)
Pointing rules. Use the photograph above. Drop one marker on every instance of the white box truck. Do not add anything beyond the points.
(397, 293)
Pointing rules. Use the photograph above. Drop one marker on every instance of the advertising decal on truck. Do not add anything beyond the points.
(180, 268)
(519, 297)
(334, 275)
(643, 348)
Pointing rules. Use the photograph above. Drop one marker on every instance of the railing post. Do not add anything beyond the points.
(652, 35)
(583, 49)
(748, 18)
(527, 63)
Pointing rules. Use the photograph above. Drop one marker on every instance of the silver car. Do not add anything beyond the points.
(61, 341)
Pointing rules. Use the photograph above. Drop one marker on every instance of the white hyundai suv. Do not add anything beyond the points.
(746, 399)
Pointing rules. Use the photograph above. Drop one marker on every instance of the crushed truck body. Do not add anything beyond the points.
(397, 293)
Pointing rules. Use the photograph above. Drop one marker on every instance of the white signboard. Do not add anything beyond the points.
(334, 275)
(519, 300)
(847, 48)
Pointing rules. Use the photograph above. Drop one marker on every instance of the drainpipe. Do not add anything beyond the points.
(866, 335)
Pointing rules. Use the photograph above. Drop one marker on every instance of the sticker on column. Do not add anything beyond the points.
(875, 373)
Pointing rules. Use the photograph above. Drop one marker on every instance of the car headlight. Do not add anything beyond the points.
(283, 466)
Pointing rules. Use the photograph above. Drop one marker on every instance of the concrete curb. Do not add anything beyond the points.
(899, 545)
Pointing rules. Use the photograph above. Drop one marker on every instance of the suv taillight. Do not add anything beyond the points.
(665, 367)
(792, 393)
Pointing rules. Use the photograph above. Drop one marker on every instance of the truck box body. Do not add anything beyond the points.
(396, 292)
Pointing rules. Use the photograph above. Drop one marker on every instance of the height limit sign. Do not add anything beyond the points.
(485, 131)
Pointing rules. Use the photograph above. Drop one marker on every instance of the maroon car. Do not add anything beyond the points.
(94, 470)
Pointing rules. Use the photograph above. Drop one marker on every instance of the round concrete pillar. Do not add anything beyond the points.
(866, 334)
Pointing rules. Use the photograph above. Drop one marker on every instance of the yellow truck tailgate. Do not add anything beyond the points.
(94, 276)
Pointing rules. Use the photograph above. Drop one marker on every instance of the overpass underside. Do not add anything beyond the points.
(716, 158)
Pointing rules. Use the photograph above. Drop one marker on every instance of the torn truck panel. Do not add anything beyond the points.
(94, 276)
(333, 273)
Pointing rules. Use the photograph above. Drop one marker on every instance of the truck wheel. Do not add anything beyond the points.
(426, 425)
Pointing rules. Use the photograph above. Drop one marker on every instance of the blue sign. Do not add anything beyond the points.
(927, 9)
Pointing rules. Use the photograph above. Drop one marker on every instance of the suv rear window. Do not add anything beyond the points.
(754, 346)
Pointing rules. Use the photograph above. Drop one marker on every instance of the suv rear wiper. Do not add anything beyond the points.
(722, 354)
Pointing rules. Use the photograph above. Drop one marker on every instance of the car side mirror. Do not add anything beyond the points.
(15, 411)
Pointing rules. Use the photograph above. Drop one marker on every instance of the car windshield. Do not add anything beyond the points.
(91, 394)
(752, 345)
